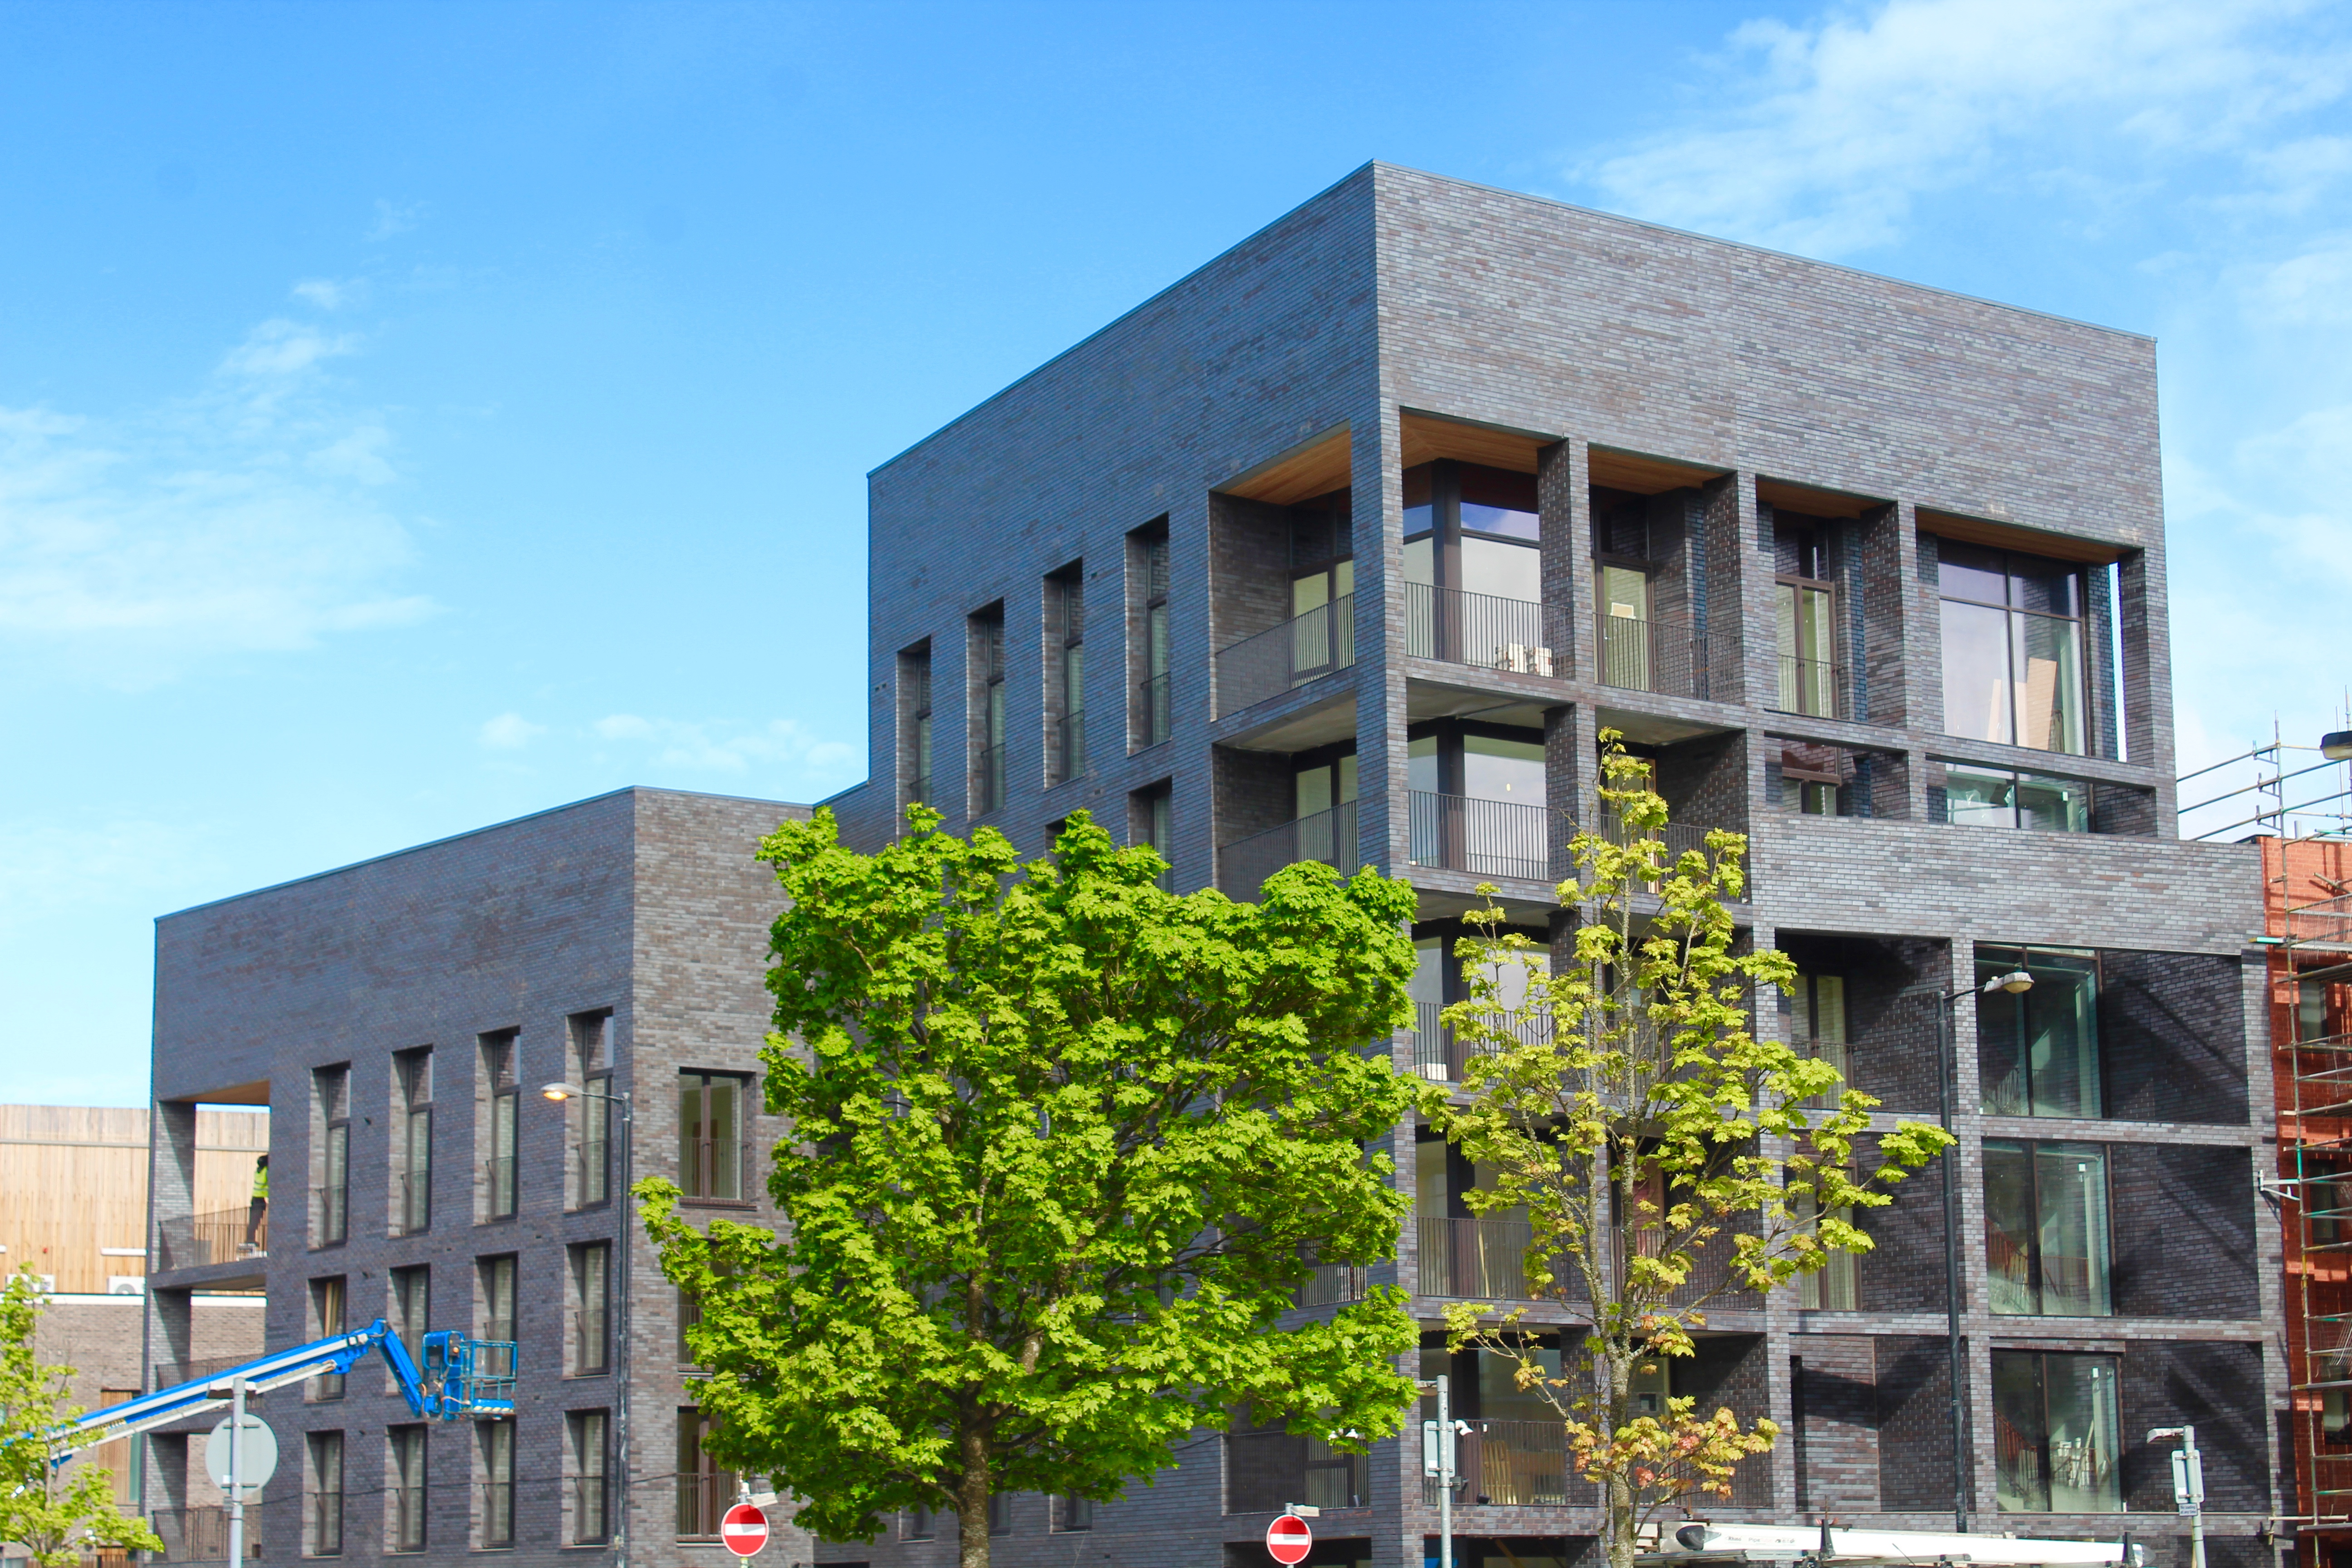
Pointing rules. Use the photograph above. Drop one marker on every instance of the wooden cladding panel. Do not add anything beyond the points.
(73, 1179)
(2009, 536)
(1646, 475)
(1314, 468)
(1424, 439)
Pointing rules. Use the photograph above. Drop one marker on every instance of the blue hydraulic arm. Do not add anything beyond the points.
(460, 1377)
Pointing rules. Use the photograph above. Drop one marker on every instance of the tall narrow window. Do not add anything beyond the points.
(2038, 1052)
(705, 1491)
(1817, 1022)
(2057, 1433)
(1805, 609)
(1072, 1512)
(412, 1196)
(592, 1296)
(322, 1486)
(592, 1159)
(999, 1513)
(1065, 598)
(586, 1441)
(501, 1102)
(328, 1313)
(494, 1509)
(495, 1279)
(1322, 588)
(1151, 819)
(2012, 648)
(916, 778)
(332, 1091)
(2047, 1248)
(1152, 713)
(710, 1155)
(404, 1488)
(986, 642)
(411, 1305)
(1626, 646)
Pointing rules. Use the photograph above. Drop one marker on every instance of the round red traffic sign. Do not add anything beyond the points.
(1289, 1539)
(745, 1530)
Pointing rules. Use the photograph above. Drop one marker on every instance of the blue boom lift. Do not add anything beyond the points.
(461, 1377)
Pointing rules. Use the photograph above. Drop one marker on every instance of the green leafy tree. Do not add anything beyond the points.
(1662, 1154)
(1065, 1146)
(55, 1514)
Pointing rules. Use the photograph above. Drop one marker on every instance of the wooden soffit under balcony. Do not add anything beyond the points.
(1813, 500)
(1425, 437)
(2009, 536)
(1317, 466)
(1643, 475)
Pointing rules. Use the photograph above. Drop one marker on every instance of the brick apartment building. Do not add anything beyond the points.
(1348, 545)
(399, 1018)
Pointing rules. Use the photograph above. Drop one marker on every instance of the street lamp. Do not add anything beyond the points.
(560, 1092)
(2016, 982)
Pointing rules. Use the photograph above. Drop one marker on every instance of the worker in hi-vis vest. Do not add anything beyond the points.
(257, 1210)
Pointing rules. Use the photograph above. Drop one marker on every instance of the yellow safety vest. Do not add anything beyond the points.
(261, 1183)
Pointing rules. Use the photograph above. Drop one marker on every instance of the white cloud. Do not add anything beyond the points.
(1832, 130)
(2311, 288)
(394, 217)
(510, 732)
(717, 746)
(331, 294)
(238, 519)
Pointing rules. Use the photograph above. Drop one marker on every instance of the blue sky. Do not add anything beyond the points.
(413, 415)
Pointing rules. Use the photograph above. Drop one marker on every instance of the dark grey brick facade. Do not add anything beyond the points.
(644, 904)
(1731, 394)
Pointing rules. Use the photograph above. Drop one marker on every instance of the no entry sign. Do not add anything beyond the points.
(1289, 1540)
(745, 1530)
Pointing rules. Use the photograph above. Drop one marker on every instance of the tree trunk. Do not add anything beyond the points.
(972, 1503)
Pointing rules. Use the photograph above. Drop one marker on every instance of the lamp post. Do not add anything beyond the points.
(2017, 981)
(560, 1092)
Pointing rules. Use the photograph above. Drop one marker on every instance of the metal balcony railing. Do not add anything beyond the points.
(332, 1205)
(1440, 1056)
(1329, 836)
(1514, 1464)
(1811, 685)
(200, 1535)
(1476, 1259)
(988, 780)
(1070, 747)
(499, 1185)
(1151, 713)
(590, 1507)
(1487, 837)
(714, 1170)
(1333, 1284)
(1304, 648)
(703, 1499)
(1483, 631)
(494, 1514)
(412, 1203)
(1651, 656)
(223, 1235)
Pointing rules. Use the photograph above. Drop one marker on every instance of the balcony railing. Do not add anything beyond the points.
(1483, 631)
(1440, 1056)
(499, 1185)
(333, 1207)
(200, 1535)
(1332, 1284)
(1299, 650)
(987, 780)
(592, 1519)
(1649, 655)
(494, 1514)
(1838, 1054)
(1476, 1259)
(1514, 1464)
(703, 1499)
(1070, 747)
(1151, 712)
(1813, 686)
(1329, 836)
(713, 1170)
(222, 1235)
(592, 1172)
(412, 1203)
(1487, 837)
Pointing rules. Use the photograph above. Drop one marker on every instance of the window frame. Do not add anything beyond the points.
(693, 1192)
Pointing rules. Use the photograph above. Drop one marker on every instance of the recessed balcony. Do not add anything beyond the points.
(1327, 836)
(1483, 631)
(1304, 648)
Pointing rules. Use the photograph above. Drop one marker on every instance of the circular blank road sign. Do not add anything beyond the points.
(256, 1460)
(744, 1530)
(1289, 1539)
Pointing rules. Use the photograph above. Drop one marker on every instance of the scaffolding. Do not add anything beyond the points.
(2310, 947)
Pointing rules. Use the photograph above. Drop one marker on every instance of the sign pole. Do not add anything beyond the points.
(236, 1473)
(1445, 1476)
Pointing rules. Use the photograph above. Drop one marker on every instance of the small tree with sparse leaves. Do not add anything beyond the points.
(1663, 1155)
(55, 1513)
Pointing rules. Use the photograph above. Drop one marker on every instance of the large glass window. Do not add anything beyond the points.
(1804, 610)
(914, 694)
(1321, 786)
(2038, 1052)
(711, 1154)
(1625, 650)
(1066, 707)
(2047, 1251)
(331, 1088)
(2012, 648)
(322, 1513)
(497, 1059)
(405, 1494)
(986, 642)
(1968, 795)
(2057, 1433)
(412, 1209)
